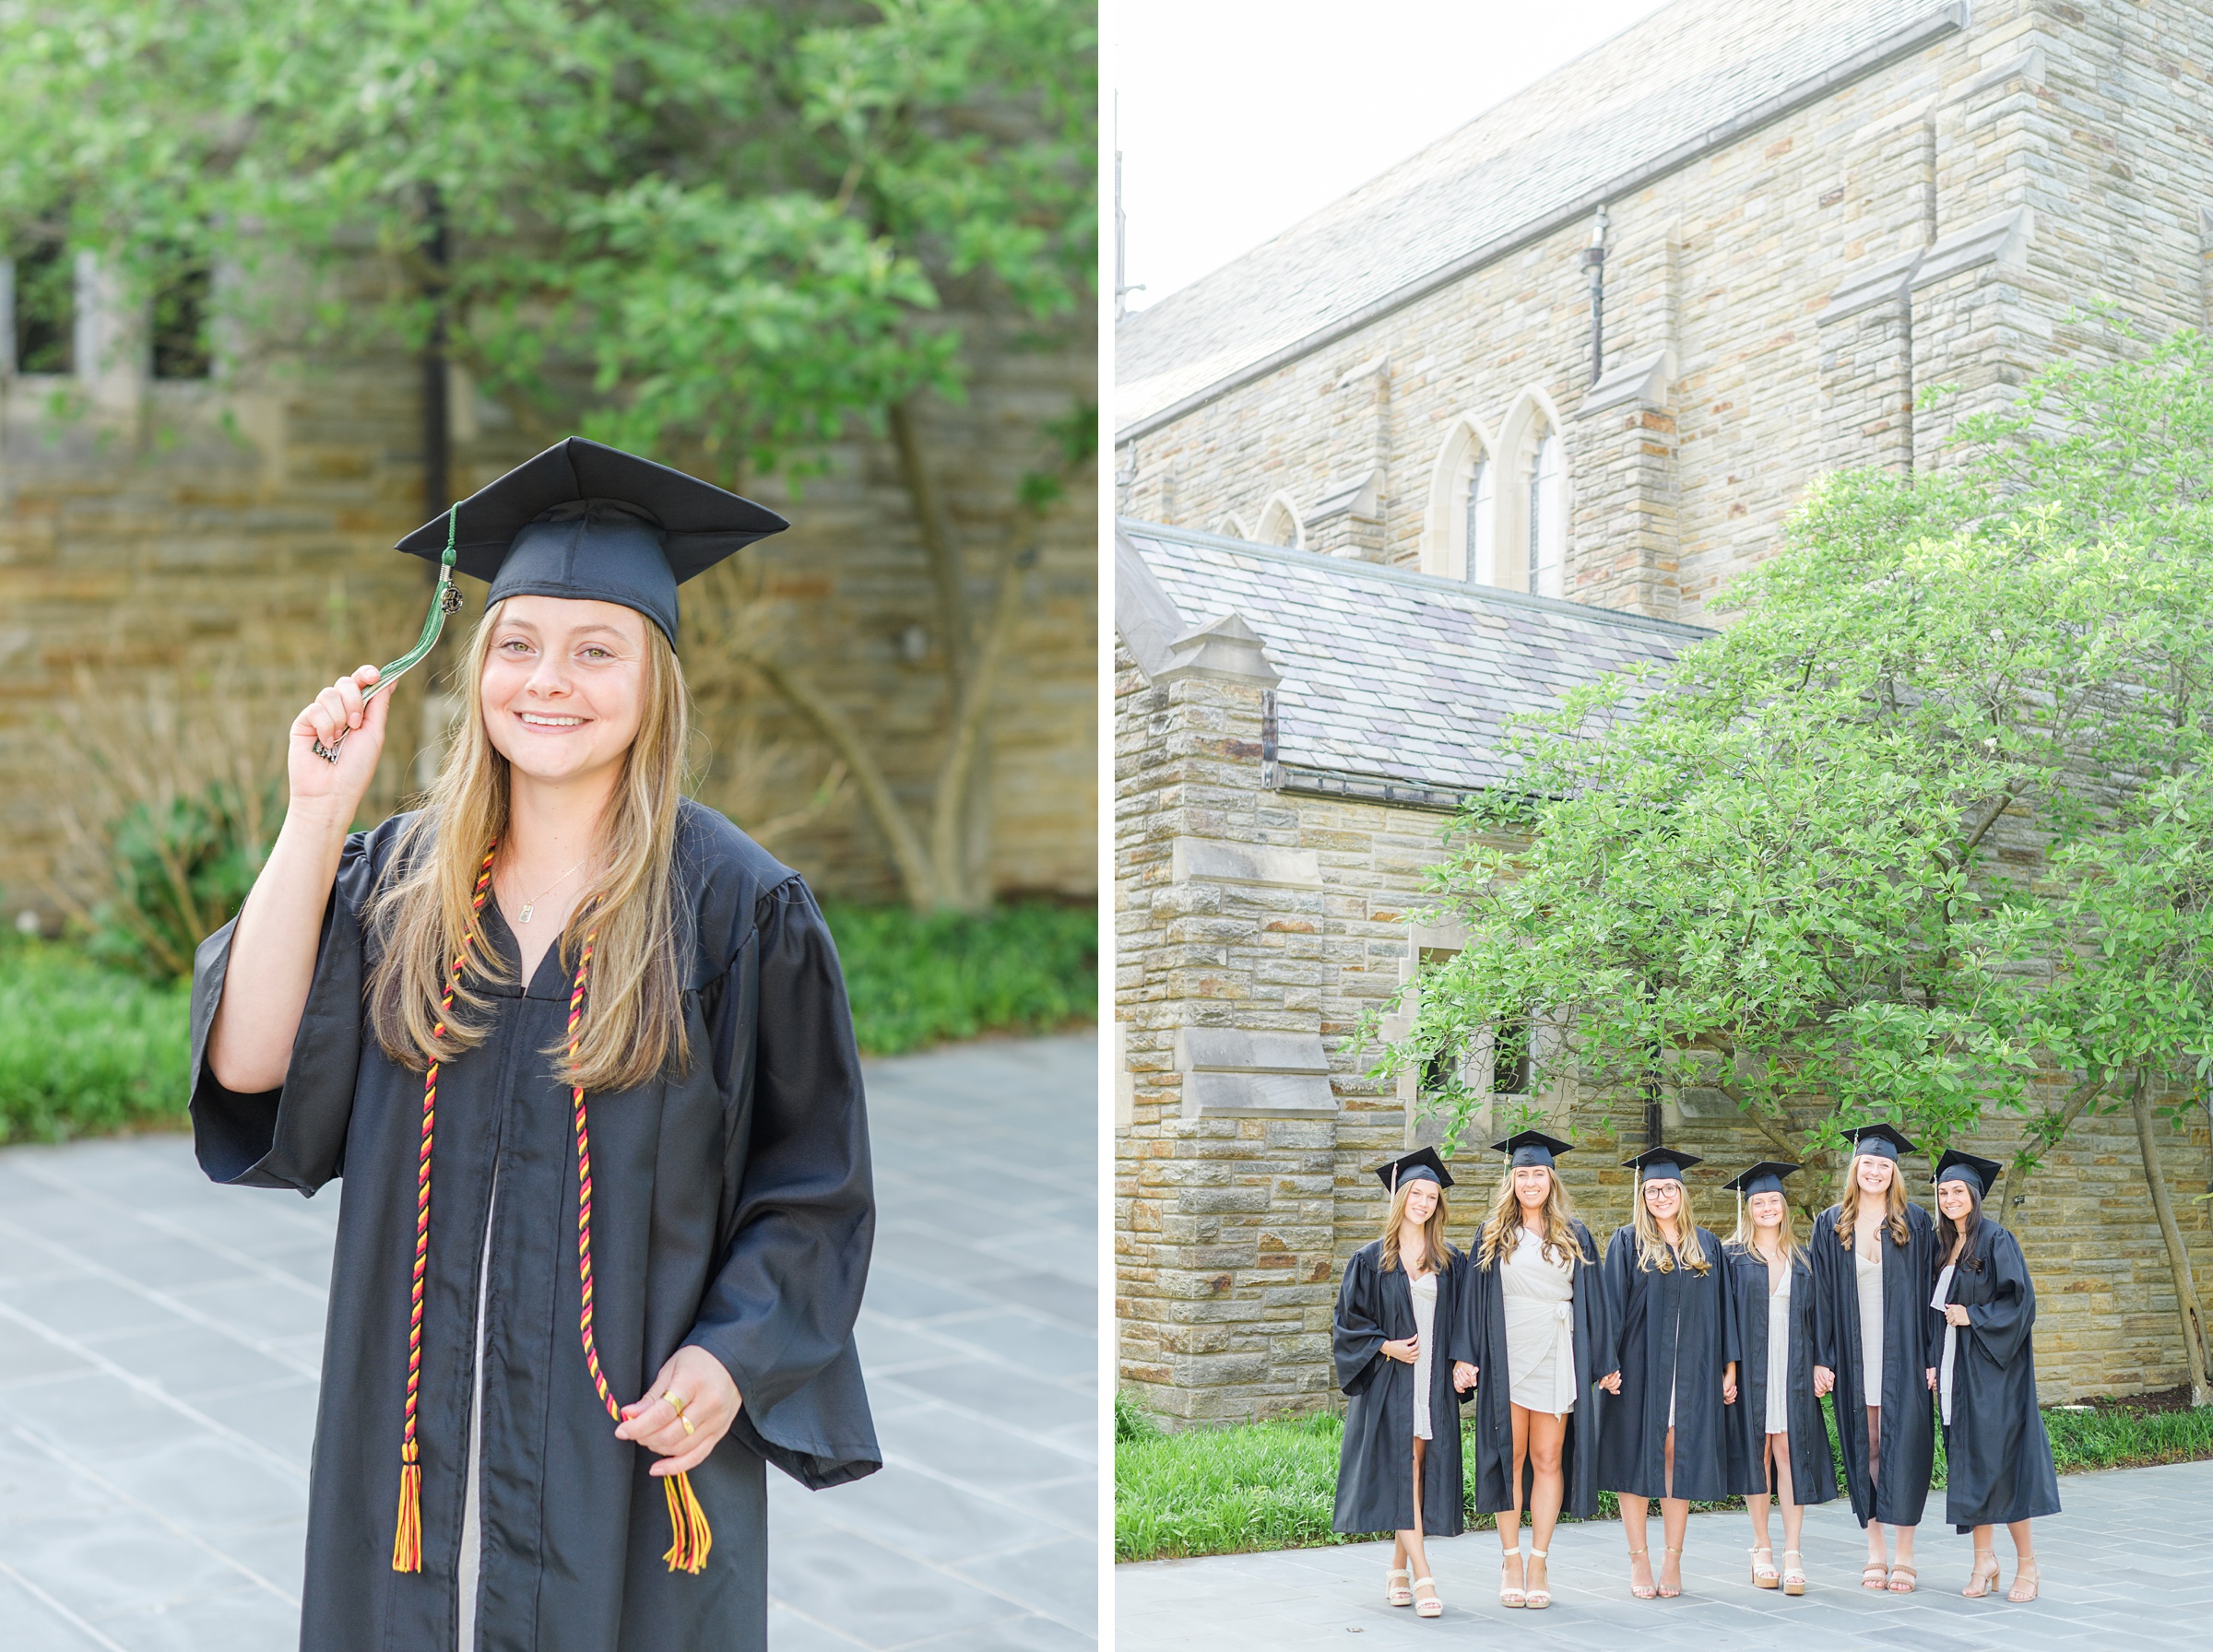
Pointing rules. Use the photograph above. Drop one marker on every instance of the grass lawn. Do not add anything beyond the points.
(86, 1049)
(1270, 1485)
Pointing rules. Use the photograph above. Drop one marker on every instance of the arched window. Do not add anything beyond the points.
(1232, 526)
(1481, 523)
(1546, 516)
(1280, 524)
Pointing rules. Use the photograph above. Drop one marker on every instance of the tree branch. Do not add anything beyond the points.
(937, 544)
(2089, 1091)
(907, 852)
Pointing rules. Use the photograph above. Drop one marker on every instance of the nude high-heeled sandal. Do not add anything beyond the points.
(2036, 1580)
(1794, 1572)
(1511, 1594)
(1394, 1592)
(1666, 1593)
(1765, 1576)
(1539, 1599)
(1430, 1606)
(1643, 1592)
(1983, 1577)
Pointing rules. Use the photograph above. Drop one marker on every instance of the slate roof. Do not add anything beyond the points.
(1398, 676)
(1690, 77)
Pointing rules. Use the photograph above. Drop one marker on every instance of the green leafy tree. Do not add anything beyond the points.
(724, 234)
(1920, 836)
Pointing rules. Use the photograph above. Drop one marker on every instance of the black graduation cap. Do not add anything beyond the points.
(1981, 1175)
(1663, 1163)
(1531, 1147)
(1420, 1165)
(1883, 1141)
(1764, 1177)
(584, 520)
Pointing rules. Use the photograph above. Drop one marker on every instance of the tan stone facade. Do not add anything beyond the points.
(187, 537)
(1795, 296)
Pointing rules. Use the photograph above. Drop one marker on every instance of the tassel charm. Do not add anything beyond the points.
(407, 1538)
(690, 1538)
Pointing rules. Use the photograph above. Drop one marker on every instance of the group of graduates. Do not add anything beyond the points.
(1687, 1368)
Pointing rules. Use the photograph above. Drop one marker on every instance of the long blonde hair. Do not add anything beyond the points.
(1504, 1221)
(633, 1023)
(1436, 1251)
(1848, 1202)
(1747, 1236)
(1654, 1252)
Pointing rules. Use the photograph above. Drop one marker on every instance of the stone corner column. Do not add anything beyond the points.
(1624, 536)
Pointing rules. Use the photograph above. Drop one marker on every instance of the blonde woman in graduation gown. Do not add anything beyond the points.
(1778, 1439)
(1399, 1463)
(1673, 1330)
(579, 1050)
(1874, 1255)
(1533, 1324)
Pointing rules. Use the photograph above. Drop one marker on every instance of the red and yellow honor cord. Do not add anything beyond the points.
(407, 1537)
(691, 1538)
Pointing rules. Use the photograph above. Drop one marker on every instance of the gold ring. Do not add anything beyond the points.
(686, 1422)
(676, 1402)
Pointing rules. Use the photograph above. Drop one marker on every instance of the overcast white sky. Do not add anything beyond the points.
(1239, 117)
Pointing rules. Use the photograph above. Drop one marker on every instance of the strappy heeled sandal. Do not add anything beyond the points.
(1511, 1594)
(1643, 1592)
(1432, 1607)
(1539, 1599)
(2036, 1581)
(1767, 1577)
(1873, 1575)
(1394, 1592)
(1666, 1593)
(1909, 1574)
(1793, 1577)
(1979, 1581)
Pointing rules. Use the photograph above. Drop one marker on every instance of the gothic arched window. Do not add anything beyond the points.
(1481, 526)
(1546, 517)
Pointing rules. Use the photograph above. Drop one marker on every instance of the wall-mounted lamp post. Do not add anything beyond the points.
(1594, 261)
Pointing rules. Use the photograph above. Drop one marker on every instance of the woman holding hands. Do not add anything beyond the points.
(1672, 1359)
(1534, 1322)
(1874, 1255)
(1396, 1309)
(1778, 1442)
(1999, 1456)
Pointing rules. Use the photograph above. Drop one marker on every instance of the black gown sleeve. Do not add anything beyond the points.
(293, 1137)
(780, 1311)
(1356, 1335)
(1732, 1312)
(1617, 1277)
(2000, 1325)
(1820, 1253)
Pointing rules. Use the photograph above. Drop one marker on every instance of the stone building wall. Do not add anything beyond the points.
(1773, 309)
(1255, 928)
(179, 535)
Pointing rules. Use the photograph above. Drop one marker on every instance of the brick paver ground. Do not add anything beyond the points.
(2129, 1564)
(160, 1339)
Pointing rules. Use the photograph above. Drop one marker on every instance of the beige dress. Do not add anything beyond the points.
(1870, 1278)
(1538, 1293)
(1424, 1290)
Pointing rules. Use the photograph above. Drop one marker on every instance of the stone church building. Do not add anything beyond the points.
(1508, 416)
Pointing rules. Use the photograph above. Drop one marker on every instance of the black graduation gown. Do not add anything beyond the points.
(1908, 1446)
(1998, 1454)
(1813, 1469)
(1375, 1464)
(731, 1209)
(1678, 1328)
(1483, 1345)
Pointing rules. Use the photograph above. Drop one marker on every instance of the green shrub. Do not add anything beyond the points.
(913, 981)
(179, 871)
(1131, 1421)
(85, 1048)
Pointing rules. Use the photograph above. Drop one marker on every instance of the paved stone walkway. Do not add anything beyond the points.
(160, 1339)
(2130, 1563)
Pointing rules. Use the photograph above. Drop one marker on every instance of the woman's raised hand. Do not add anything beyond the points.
(1405, 1350)
(341, 711)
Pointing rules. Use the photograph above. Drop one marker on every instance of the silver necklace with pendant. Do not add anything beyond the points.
(523, 915)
